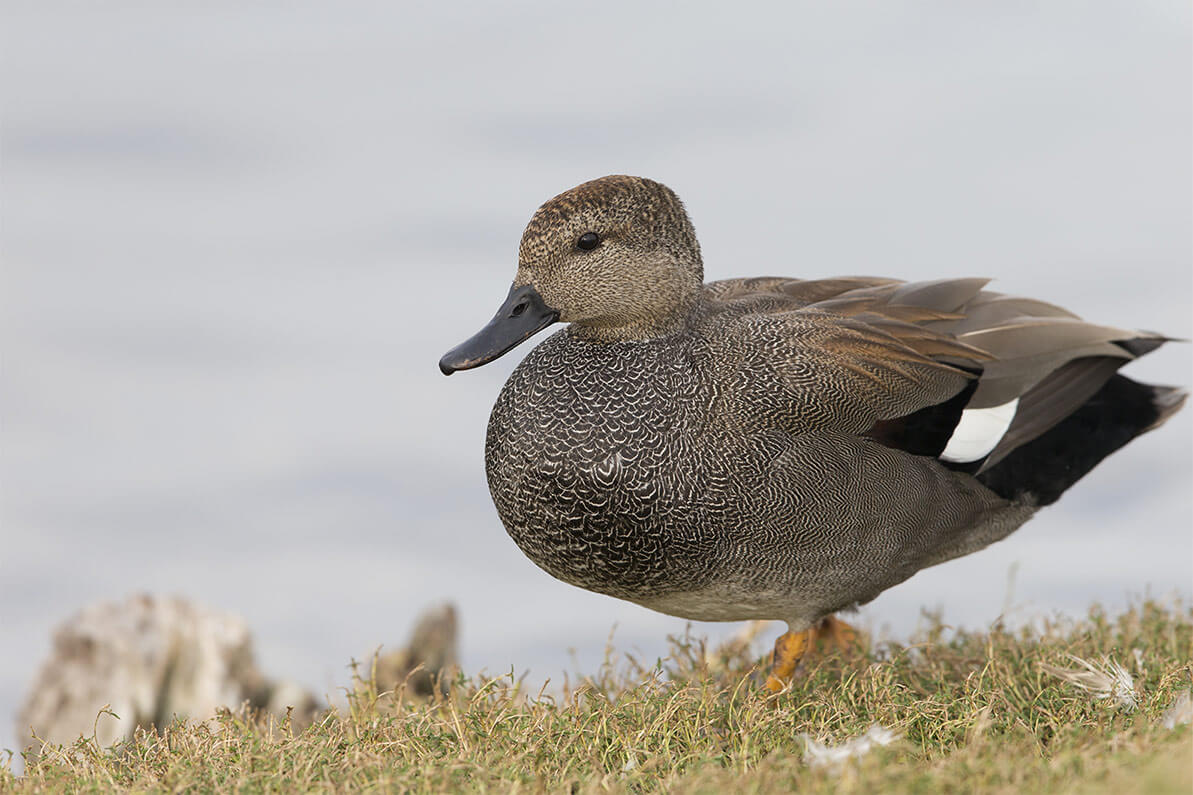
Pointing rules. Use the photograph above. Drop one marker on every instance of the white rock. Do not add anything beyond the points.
(148, 659)
(1179, 713)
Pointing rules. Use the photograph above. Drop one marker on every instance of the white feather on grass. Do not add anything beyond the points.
(1106, 681)
(823, 755)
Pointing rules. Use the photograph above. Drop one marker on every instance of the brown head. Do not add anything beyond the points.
(616, 257)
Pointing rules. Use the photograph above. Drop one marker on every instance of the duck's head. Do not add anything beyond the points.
(616, 257)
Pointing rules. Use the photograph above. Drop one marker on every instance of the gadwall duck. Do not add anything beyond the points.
(776, 448)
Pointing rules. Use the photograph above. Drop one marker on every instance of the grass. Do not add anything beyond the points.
(979, 711)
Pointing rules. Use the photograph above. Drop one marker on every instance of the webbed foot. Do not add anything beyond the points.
(792, 647)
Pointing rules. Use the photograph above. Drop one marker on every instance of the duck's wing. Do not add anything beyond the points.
(877, 355)
(790, 293)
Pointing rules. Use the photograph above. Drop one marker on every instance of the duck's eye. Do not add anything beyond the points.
(588, 241)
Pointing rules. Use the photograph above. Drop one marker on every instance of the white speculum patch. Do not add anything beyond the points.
(979, 432)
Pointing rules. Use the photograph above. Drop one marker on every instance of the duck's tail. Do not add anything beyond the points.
(1168, 401)
(1044, 468)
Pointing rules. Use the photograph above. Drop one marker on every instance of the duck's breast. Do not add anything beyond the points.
(594, 461)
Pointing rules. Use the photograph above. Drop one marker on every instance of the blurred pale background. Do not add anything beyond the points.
(238, 236)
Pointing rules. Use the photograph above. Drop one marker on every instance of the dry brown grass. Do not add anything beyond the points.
(976, 712)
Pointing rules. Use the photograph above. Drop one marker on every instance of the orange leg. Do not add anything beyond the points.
(838, 634)
(792, 647)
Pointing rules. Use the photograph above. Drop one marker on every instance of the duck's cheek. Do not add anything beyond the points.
(567, 309)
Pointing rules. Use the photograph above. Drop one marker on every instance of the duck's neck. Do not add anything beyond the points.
(681, 316)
